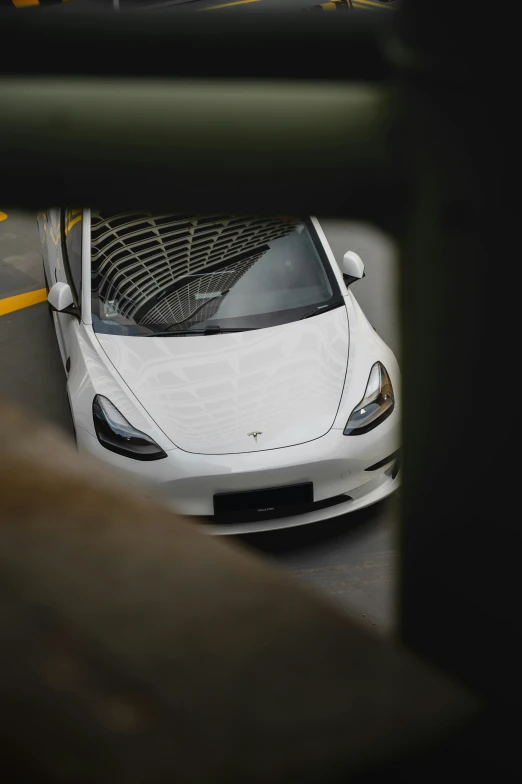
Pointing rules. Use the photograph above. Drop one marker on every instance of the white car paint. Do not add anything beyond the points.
(198, 398)
(208, 394)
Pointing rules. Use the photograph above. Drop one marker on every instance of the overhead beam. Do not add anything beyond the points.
(269, 45)
(198, 145)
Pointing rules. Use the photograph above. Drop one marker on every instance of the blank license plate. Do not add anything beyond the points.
(263, 504)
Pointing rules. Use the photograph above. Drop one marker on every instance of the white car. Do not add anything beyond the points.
(224, 360)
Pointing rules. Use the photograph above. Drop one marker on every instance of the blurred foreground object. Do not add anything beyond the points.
(135, 648)
(429, 153)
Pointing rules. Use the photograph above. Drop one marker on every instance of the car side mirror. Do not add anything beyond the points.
(60, 298)
(353, 267)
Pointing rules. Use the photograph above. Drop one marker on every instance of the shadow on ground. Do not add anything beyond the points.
(309, 537)
(32, 372)
(351, 560)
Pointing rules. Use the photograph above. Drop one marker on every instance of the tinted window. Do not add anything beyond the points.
(152, 273)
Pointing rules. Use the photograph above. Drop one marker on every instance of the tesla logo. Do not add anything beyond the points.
(267, 509)
(255, 433)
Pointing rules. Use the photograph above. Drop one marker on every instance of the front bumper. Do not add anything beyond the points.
(336, 464)
(366, 495)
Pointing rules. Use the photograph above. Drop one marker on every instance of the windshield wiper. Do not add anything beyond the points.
(207, 331)
(323, 308)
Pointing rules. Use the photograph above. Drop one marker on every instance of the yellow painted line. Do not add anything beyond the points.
(71, 223)
(374, 5)
(3, 215)
(328, 6)
(9, 304)
(227, 5)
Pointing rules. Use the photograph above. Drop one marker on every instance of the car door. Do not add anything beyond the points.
(69, 270)
(50, 230)
(61, 236)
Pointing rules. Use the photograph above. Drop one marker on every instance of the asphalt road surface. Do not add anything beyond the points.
(350, 559)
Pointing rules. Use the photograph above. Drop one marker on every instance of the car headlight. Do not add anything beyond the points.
(377, 404)
(117, 435)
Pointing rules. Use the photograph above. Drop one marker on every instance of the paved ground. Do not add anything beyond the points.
(20, 258)
(350, 559)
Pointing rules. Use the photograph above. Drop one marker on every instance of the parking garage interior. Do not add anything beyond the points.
(352, 560)
(433, 575)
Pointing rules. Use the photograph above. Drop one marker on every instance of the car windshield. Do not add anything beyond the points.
(173, 274)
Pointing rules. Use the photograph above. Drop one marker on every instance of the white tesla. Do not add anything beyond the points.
(225, 360)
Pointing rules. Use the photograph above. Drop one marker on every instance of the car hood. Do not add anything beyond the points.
(209, 393)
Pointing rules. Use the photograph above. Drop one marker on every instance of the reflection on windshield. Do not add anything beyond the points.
(158, 273)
